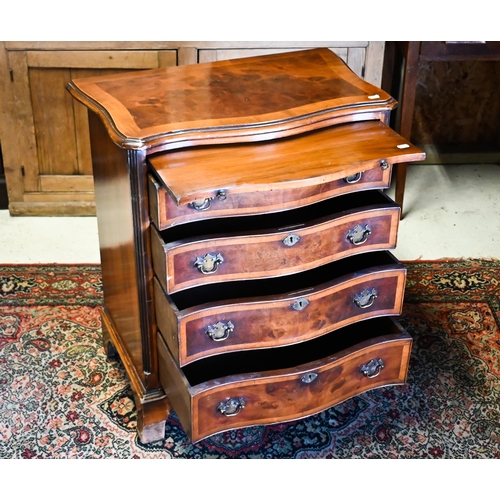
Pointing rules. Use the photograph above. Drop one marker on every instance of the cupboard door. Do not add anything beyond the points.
(364, 58)
(48, 164)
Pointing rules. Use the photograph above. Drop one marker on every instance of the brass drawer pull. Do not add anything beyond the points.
(202, 205)
(208, 264)
(366, 298)
(308, 377)
(231, 407)
(352, 179)
(358, 234)
(220, 331)
(373, 368)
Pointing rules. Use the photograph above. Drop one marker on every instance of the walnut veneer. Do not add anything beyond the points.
(244, 237)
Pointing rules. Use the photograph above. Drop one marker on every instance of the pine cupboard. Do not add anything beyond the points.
(44, 134)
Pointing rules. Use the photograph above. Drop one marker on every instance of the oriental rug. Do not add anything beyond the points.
(60, 397)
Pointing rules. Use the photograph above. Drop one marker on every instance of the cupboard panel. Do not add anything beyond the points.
(47, 137)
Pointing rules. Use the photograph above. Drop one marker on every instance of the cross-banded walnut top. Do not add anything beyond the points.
(246, 99)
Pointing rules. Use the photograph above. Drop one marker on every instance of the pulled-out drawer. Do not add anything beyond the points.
(166, 213)
(245, 179)
(274, 244)
(268, 313)
(274, 385)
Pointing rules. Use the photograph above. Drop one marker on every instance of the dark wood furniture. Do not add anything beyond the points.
(244, 237)
(403, 58)
(4, 202)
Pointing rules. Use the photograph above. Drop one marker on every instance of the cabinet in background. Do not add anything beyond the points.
(44, 132)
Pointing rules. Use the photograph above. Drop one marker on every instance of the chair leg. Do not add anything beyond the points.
(400, 184)
(407, 107)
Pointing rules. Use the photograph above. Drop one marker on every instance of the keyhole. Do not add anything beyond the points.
(300, 304)
(291, 240)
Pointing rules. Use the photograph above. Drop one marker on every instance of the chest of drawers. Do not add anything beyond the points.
(245, 238)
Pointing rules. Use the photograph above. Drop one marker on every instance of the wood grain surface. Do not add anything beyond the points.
(264, 254)
(281, 394)
(202, 103)
(307, 160)
(273, 319)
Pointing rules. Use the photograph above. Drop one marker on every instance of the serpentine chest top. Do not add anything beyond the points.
(244, 238)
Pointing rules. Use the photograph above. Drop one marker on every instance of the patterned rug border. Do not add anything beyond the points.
(64, 398)
(50, 284)
(428, 262)
(58, 287)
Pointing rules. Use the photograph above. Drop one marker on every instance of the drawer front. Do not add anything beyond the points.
(278, 320)
(193, 175)
(166, 213)
(184, 265)
(283, 395)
